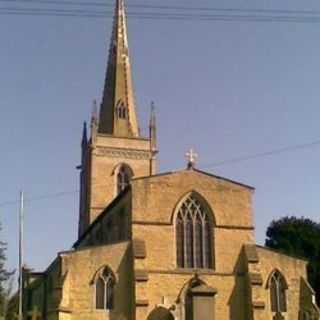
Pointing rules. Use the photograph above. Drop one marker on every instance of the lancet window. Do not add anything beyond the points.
(278, 287)
(123, 178)
(121, 110)
(105, 290)
(194, 235)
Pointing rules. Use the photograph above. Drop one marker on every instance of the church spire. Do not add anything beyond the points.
(118, 111)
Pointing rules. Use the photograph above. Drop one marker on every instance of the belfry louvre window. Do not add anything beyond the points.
(278, 287)
(193, 235)
(105, 290)
(121, 110)
(123, 178)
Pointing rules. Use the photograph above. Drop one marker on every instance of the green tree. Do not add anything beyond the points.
(12, 307)
(299, 237)
(5, 275)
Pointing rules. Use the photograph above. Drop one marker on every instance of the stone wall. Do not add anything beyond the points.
(81, 267)
(292, 269)
(147, 276)
(158, 279)
(108, 153)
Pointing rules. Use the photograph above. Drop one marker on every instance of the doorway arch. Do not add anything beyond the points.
(160, 313)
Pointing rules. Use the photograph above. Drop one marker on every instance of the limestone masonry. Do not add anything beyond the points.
(177, 245)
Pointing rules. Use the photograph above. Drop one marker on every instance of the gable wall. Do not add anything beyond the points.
(292, 269)
(155, 198)
(153, 204)
(79, 289)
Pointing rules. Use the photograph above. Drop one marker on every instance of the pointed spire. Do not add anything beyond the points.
(153, 140)
(84, 141)
(153, 128)
(94, 122)
(94, 112)
(118, 111)
(84, 146)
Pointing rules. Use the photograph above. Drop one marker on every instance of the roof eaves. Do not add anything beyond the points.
(196, 170)
(154, 176)
(225, 179)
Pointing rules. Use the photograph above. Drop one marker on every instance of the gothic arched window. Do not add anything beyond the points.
(123, 178)
(193, 234)
(105, 290)
(278, 287)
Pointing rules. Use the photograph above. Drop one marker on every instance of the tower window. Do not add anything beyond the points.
(278, 287)
(123, 178)
(105, 290)
(193, 235)
(121, 110)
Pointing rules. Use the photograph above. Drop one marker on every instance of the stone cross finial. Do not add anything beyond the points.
(191, 157)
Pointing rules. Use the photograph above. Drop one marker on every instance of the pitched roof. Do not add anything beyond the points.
(111, 205)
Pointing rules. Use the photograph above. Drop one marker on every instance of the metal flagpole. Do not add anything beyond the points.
(21, 216)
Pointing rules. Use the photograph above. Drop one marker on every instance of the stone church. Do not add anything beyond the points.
(160, 246)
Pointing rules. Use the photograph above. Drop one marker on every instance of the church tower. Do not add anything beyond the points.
(116, 151)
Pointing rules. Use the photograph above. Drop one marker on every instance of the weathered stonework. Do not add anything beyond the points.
(128, 225)
(123, 153)
(144, 261)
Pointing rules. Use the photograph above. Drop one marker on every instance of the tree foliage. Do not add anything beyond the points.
(4, 277)
(299, 237)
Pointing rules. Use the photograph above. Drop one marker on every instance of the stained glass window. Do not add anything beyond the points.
(194, 232)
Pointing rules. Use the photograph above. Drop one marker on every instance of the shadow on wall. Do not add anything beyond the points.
(160, 313)
(308, 306)
(124, 291)
(238, 301)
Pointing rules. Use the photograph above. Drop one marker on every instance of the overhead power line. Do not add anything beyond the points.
(41, 197)
(64, 3)
(71, 8)
(153, 15)
(163, 7)
(58, 10)
(265, 154)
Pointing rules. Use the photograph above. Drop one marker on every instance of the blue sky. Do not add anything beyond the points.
(227, 89)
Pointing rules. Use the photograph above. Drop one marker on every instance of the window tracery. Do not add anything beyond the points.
(278, 287)
(193, 235)
(105, 290)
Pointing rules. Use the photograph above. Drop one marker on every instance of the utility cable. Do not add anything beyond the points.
(158, 16)
(218, 14)
(165, 7)
(265, 154)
